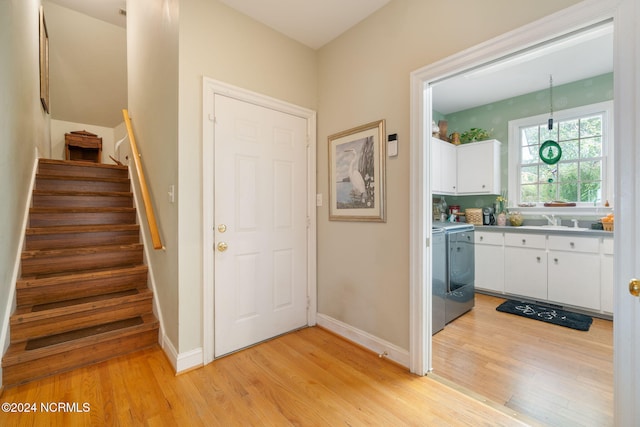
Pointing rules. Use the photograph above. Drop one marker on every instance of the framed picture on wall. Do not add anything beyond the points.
(357, 174)
(44, 62)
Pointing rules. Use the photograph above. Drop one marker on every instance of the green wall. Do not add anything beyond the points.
(497, 115)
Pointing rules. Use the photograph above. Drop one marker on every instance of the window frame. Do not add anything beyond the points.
(514, 175)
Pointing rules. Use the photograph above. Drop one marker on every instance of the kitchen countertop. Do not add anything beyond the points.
(542, 230)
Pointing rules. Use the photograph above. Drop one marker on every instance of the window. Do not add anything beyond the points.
(582, 175)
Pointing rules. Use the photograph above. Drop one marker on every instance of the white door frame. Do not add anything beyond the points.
(626, 14)
(210, 88)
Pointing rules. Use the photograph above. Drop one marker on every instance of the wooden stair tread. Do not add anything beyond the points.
(38, 253)
(82, 193)
(81, 333)
(81, 178)
(81, 229)
(75, 163)
(24, 313)
(18, 353)
(52, 210)
(27, 282)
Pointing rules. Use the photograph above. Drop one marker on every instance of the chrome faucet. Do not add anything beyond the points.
(551, 221)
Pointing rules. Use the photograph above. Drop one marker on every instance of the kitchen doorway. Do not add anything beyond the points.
(626, 265)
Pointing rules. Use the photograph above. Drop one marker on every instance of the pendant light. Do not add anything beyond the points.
(550, 151)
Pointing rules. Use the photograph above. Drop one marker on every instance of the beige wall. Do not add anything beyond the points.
(152, 58)
(108, 134)
(88, 67)
(24, 127)
(217, 42)
(363, 268)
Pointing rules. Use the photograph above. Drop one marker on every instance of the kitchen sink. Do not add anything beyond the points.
(553, 227)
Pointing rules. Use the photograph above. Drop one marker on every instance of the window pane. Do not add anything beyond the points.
(570, 149)
(548, 173)
(591, 147)
(590, 191)
(569, 130)
(529, 154)
(529, 174)
(548, 192)
(591, 126)
(529, 193)
(568, 191)
(529, 136)
(591, 171)
(546, 134)
(568, 172)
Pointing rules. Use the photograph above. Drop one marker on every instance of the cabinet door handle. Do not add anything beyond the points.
(524, 241)
(481, 238)
(572, 244)
(538, 258)
(555, 260)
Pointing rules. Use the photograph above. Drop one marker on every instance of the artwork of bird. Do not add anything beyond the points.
(357, 182)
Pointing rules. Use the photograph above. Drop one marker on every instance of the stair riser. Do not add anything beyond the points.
(78, 357)
(75, 240)
(69, 169)
(74, 185)
(33, 294)
(81, 201)
(23, 328)
(81, 218)
(62, 263)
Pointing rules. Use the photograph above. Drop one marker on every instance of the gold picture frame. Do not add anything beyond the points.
(44, 62)
(357, 174)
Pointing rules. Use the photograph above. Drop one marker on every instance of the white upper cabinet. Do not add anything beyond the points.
(472, 168)
(444, 167)
(479, 167)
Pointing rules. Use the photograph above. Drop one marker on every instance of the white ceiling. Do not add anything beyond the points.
(580, 56)
(311, 22)
(317, 22)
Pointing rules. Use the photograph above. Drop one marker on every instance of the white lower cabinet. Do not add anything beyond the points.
(489, 259)
(561, 269)
(606, 276)
(574, 271)
(525, 265)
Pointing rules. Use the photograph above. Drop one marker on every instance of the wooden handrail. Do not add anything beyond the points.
(144, 189)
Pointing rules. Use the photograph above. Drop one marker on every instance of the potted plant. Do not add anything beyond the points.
(475, 134)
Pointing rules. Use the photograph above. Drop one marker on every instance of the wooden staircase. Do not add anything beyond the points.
(82, 296)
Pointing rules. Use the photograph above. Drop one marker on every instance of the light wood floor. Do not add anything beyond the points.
(556, 375)
(309, 377)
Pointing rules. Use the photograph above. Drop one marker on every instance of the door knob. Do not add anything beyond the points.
(222, 228)
(634, 287)
(222, 246)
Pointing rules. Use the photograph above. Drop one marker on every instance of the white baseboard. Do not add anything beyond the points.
(364, 339)
(181, 361)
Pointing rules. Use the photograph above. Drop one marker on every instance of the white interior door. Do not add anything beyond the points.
(260, 265)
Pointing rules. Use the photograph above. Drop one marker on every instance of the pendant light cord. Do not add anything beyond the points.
(550, 101)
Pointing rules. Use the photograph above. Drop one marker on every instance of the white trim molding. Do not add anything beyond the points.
(377, 345)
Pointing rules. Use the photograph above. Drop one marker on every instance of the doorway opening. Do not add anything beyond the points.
(489, 57)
